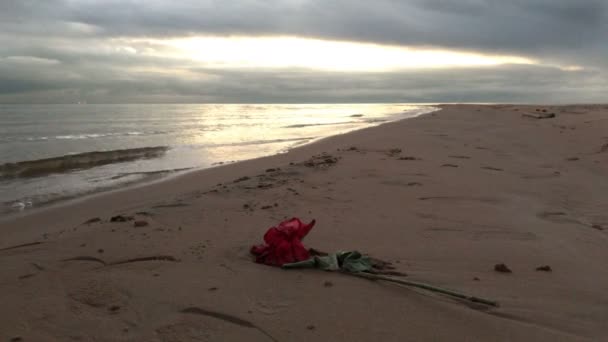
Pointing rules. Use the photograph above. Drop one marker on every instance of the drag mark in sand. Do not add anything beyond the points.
(20, 246)
(562, 217)
(226, 318)
(491, 168)
(150, 258)
(86, 258)
(121, 262)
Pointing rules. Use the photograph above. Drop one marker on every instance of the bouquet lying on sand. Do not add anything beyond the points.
(283, 247)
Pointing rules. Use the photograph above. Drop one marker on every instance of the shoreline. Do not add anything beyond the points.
(444, 197)
(75, 198)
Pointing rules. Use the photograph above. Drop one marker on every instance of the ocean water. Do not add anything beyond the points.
(54, 152)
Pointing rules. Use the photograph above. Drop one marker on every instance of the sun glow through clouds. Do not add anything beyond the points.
(327, 55)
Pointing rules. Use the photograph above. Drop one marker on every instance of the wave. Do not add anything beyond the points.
(323, 124)
(264, 142)
(150, 173)
(375, 120)
(246, 143)
(103, 135)
(80, 161)
(83, 136)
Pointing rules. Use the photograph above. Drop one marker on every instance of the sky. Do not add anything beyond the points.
(303, 51)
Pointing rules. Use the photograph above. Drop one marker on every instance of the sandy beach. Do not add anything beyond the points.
(443, 197)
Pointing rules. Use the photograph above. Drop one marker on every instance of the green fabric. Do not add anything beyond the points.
(351, 261)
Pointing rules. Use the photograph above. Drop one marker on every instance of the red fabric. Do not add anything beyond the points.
(283, 244)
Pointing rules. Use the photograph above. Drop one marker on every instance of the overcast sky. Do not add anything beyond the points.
(142, 51)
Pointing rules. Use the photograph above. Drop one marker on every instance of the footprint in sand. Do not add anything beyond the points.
(218, 326)
(100, 294)
(272, 308)
(187, 331)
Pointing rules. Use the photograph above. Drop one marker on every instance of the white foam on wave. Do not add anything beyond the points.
(104, 135)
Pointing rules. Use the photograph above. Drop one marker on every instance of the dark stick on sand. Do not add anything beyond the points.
(426, 287)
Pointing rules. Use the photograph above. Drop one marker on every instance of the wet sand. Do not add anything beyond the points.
(445, 198)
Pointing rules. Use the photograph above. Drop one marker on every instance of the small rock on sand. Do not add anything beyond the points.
(140, 223)
(502, 268)
(120, 218)
(545, 268)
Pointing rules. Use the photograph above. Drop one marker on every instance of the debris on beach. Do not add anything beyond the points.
(322, 160)
(542, 115)
(502, 268)
(283, 248)
(283, 243)
(92, 220)
(492, 168)
(121, 218)
(393, 152)
(140, 223)
(408, 158)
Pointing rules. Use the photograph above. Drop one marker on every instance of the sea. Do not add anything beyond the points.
(50, 153)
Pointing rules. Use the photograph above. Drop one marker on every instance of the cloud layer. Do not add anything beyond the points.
(62, 51)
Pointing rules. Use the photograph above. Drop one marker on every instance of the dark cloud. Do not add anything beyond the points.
(503, 84)
(58, 50)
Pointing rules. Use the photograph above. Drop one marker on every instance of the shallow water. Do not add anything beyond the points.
(49, 152)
